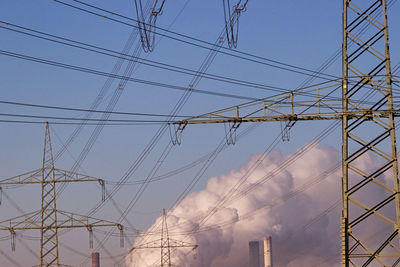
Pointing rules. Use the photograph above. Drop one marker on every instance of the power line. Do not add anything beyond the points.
(81, 119)
(88, 110)
(226, 51)
(105, 74)
(152, 63)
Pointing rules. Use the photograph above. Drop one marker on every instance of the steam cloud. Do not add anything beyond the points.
(294, 206)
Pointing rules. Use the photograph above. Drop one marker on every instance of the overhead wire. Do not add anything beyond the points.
(178, 106)
(194, 82)
(143, 61)
(300, 85)
(265, 178)
(88, 110)
(304, 188)
(9, 258)
(226, 51)
(115, 76)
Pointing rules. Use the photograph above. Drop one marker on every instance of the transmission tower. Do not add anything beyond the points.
(49, 219)
(165, 244)
(367, 113)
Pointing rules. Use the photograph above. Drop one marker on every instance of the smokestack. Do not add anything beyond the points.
(254, 254)
(267, 252)
(95, 259)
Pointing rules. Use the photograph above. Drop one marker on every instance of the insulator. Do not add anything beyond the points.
(13, 234)
(121, 235)
(90, 229)
(230, 132)
(175, 133)
(148, 30)
(103, 190)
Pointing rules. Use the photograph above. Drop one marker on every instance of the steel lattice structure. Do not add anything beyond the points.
(370, 196)
(165, 244)
(368, 59)
(49, 219)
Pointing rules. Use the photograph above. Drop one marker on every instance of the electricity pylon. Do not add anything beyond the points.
(165, 244)
(49, 219)
(370, 197)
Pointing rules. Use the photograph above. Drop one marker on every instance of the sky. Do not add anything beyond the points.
(299, 33)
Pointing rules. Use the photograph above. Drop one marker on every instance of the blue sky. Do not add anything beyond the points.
(301, 33)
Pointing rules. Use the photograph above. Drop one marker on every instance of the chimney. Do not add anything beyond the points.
(95, 259)
(267, 252)
(254, 254)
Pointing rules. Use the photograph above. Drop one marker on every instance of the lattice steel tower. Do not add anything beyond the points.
(51, 219)
(165, 244)
(371, 196)
(365, 62)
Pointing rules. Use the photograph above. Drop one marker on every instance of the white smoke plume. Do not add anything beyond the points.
(298, 206)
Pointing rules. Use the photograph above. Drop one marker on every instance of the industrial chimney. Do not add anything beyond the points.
(267, 252)
(254, 254)
(95, 259)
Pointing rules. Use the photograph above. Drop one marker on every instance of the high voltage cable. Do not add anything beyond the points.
(110, 107)
(116, 68)
(194, 82)
(82, 119)
(324, 174)
(76, 123)
(337, 53)
(264, 179)
(99, 98)
(143, 61)
(105, 74)
(158, 134)
(234, 188)
(174, 204)
(230, 195)
(252, 186)
(245, 55)
(9, 258)
(88, 110)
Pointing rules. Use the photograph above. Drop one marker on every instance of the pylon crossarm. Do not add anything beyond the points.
(156, 245)
(151, 244)
(64, 217)
(74, 177)
(180, 244)
(23, 222)
(368, 115)
(34, 176)
(61, 176)
(31, 221)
